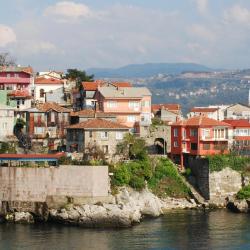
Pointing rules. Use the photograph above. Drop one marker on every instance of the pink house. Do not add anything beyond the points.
(16, 78)
(131, 105)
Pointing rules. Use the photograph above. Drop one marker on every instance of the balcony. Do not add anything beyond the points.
(206, 138)
(13, 80)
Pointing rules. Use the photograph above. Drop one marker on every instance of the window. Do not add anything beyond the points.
(52, 116)
(23, 101)
(134, 105)
(131, 118)
(184, 134)
(39, 130)
(175, 132)
(5, 124)
(194, 146)
(112, 104)
(42, 93)
(105, 149)
(146, 104)
(8, 75)
(176, 144)
(206, 146)
(16, 75)
(90, 134)
(205, 133)
(104, 135)
(193, 132)
(119, 135)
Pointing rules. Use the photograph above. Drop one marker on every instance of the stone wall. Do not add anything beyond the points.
(215, 186)
(65, 183)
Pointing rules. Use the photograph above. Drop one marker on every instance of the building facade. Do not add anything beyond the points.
(199, 136)
(6, 121)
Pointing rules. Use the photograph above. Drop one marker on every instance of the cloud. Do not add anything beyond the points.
(202, 32)
(7, 35)
(202, 5)
(237, 14)
(67, 10)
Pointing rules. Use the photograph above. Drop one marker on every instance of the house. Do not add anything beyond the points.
(212, 113)
(44, 85)
(89, 89)
(48, 121)
(167, 112)
(132, 105)
(58, 75)
(59, 96)
(97, 133)
(240, 136)
(237, 111)
(16, 78)
(21, 99)
(6, 121)
(198, 136)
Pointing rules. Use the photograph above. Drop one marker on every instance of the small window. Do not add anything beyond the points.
(176, 144)
(104, 135)
(112, 104)
(90, 134)
(175, 132)
(119, 135)
(23, 101)
(206, 146)
(194, 146)
(131, 118)
(193, 132)
(42, 93)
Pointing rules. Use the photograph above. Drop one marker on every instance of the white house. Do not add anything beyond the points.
(44, 85)
(6, 121)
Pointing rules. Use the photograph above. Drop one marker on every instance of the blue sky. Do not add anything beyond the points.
(52, 34)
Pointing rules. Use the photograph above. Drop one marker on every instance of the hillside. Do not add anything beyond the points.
(147, 70)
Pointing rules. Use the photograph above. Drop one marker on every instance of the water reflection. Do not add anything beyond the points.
(179, 230)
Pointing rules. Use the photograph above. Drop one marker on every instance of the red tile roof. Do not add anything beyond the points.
(20, 93)
(31, 156)
(28, 70)
(167, 106)
(90, 113)
(241, 123)
(43, 80)
(203, 110)
(98, 124)
(45, 107)
(92, 86)
(201, 121)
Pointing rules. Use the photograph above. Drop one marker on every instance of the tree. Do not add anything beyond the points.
(132, 147)
(78, 76)
(6, 60)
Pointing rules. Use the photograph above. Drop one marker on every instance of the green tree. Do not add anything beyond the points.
(79, 76)
(132, 147)
(6, 59)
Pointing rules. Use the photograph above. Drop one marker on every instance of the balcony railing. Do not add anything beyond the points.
(206, 138)
(13, 80)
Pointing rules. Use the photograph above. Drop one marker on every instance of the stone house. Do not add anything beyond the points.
(237, 111)
(48, 121)
(96, 132)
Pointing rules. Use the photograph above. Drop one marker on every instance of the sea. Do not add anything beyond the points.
(187, 229)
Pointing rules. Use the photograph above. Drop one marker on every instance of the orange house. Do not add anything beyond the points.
(198, 136)
(131, 105)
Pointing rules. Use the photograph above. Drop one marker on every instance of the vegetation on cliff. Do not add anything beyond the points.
(233, 161)
(244, 193)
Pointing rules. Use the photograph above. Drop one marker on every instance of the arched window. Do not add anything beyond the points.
(42, 93)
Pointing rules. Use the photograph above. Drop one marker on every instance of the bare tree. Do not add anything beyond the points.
(6, 59)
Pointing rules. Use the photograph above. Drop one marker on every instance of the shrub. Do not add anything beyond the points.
(137, 182)
(121, 175)
(188, 172)
(244, 193)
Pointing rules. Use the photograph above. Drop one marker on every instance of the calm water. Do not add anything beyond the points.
(180, 230)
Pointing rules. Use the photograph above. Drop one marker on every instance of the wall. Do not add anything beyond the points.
(215, 186)
(39, 184)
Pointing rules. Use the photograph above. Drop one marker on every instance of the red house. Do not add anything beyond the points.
(16, 78)
(198, 136)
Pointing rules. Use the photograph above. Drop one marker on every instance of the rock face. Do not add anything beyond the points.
(128, 208)
(23, 218)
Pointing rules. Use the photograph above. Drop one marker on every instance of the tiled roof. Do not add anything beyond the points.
(124, 93)
(201, 121)
(20, 93)
(45, 107)
(168, 106)
(92, 86)
(90, 113)
(203, 110)
(243, 123)
(28, 70)
(98, 124)
(43, 80)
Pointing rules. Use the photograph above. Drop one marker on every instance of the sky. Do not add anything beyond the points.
(52, 34)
